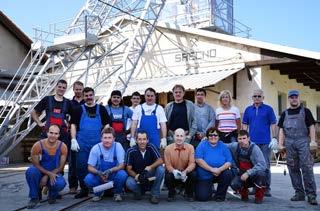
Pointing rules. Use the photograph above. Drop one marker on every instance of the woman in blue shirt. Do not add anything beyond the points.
(213, 160)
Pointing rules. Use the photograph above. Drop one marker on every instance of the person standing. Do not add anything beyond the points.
(259, 118)
(76, 101)
(119, 114)
(297, 135)
(106, 164)
(57, 109)
(205, 116)
(87, 121)
(150, 117)
(48, 157)
(144, 162)
(251, 167)
(180, 166)
(135, 101)
(228, 120)
(180, 114)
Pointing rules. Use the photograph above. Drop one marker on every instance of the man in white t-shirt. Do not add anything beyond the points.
(135, 101)
(151, 118)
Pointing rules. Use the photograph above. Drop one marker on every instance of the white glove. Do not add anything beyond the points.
(184, 177)
(163, 143)
(74, 145)
(176, 174)
(313, 145)
(274, 144)
(132, 142)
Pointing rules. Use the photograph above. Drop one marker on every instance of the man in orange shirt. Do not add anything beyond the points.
(48, 158)
(180, 165)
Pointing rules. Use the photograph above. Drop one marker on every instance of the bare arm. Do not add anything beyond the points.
(312, 133)
(273, 130)
(281, 137)
(163, 128)
(238, 122)
(157, 163)
(73, 131)
(134, 124)
(244, 127)
(203, 164)
(131, 172)
(35, 116)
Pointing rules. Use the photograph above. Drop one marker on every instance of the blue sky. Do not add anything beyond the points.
(293, 23)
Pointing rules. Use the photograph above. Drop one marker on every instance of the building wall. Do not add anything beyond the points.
(12, 51)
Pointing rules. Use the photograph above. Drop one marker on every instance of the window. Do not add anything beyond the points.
(282, 102)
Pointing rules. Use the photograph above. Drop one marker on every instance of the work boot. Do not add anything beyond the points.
(32, 203)
(244, 193)
(297, 197)
(81, 194)
(312, 200)
(73, 190)
(154, 200)
(259, 195)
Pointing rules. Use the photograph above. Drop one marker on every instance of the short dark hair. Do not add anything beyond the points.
(108, 130)
(141, 132)
(87, 89)
(62, 81)
(136, 94)
(150, 90)
(212, 130)
(79, 83)
(243, 133)
(178, 86)
(201, 90)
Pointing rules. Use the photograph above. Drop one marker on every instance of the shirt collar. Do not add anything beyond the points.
(179, 149)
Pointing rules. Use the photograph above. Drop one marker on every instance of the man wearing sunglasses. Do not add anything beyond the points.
(259, 118)
(297, 134)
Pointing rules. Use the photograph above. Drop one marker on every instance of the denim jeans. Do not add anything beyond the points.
(155, 189)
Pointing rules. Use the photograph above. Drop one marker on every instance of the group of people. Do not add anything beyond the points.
(123, 146)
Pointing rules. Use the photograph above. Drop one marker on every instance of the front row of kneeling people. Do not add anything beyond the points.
(240, 165)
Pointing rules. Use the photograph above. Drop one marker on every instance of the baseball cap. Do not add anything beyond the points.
(293, 92)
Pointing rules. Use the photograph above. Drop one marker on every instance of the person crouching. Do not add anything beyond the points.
(252, 168)
(105, 164)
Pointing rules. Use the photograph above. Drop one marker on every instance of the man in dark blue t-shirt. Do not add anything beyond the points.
(144, 163)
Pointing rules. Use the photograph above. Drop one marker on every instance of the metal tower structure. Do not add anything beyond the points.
(102, 45)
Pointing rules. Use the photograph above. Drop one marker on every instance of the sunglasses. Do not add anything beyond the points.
(213, 135)
(257, 96)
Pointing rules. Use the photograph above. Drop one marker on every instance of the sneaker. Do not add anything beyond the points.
(96, 198)
(117, 197)
(297, 197)
(312, 200)
(73, 190)
(81, 194)
(51, 200)
(154, 200)
(32, 203)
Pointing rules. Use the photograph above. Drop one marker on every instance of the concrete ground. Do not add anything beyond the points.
(14, 192)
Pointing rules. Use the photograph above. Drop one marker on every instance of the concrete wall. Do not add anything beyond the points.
(12, 51)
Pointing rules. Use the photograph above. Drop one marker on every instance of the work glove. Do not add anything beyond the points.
(74, 145)
(163, 143)
(143, 177)
(132, 142)
(184, 177)
(313, 146)
(274, 145)
(176, 174)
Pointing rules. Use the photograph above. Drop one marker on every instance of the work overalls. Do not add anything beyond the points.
(87, 136)
(298, 153)
(118, 178)
(34, 175)
(149, 123)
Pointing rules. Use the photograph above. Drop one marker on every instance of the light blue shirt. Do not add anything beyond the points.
(94, 157)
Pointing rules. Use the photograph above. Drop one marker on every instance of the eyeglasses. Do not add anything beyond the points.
(213, 135)
(257, 96)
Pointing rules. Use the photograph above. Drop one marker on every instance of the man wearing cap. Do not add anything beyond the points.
(119, 114)
(297, 135)
(151, 118)
(259, 118)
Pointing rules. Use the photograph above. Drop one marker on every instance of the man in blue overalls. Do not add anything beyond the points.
(105, 164)
(86, 124)
(119, 114)
(48, 158)
(150, 117)
(297, 134)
